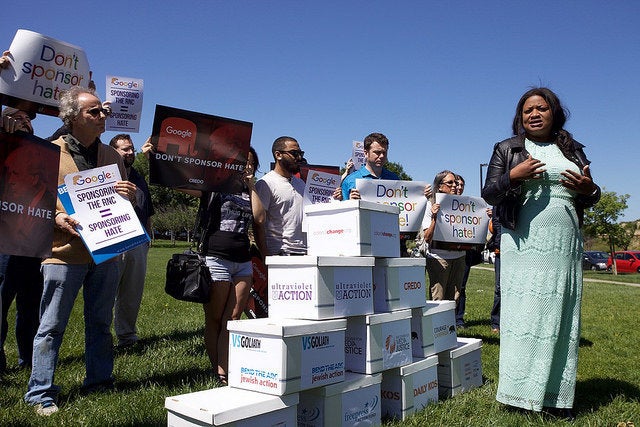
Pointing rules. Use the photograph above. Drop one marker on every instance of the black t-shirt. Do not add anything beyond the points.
(229, 217)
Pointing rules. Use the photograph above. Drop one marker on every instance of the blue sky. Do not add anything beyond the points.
(440, 79)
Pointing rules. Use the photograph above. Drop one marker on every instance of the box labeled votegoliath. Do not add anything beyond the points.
(398, 283)
(409, 388)
(352, 228)
(231, 407)
(377, 342)
(460, 368)
(353, 402)
(433, 328)
(311, 287)
(282, 356)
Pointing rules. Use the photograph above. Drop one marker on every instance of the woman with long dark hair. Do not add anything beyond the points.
(540, 183)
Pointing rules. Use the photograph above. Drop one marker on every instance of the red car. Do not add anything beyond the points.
(626, 262)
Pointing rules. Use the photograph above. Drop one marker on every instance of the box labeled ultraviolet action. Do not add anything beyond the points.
(231, 407)
(433, 328)
(398, 283)
(409, 388)
(460, 368)
(282, 356)
(352, 228)
(377, 342)
(316, 288)
(353, 402)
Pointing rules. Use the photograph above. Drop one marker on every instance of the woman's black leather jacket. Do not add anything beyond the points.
(504, 195)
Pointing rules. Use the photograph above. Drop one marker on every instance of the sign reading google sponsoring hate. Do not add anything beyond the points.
(41, 69)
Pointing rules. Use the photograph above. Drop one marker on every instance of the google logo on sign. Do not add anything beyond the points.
(102, 177)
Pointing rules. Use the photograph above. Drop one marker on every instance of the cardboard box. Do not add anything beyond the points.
(353, 402)
(460, 369)
(433, 328)
(230, 407)
(353, 228)
(282, 356)
(310, 287)
(408, 389)
(398, 283)
(378, 342)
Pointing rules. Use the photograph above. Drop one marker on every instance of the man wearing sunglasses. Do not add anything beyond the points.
(281, 192)
(71, 267)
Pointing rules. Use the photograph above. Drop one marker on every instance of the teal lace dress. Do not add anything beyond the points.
(541, 286)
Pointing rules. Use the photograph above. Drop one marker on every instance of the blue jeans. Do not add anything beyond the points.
(62, 282)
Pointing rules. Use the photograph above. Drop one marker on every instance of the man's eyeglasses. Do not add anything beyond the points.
(95, 112)
(21, 118)
(295, 153)
(449, 183)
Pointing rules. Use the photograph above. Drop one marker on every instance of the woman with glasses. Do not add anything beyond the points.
(445, 267)
(540, 183)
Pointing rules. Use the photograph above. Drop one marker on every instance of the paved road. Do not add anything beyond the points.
(637, 285)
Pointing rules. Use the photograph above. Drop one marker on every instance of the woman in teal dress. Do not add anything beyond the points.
(540, 183)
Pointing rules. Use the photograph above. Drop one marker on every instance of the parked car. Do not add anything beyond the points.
(594, 260)
(488, 257)
(626, 261)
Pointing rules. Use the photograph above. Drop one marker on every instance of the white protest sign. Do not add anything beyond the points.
(357, 154)
(106, 217)
(125, 96)
(42, 68)
(461, 219)
(408, 196)
(319, 187)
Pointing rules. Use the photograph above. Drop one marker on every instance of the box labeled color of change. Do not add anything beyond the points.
(433, 328)
(353, 402)
(310, 287)
(231, 407)
(378, 342)
(398, 283)
(409, 388)
(352, 228)
(282, 356)
(460, 369)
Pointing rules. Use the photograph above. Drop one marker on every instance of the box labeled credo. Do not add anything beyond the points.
(433, 328)
(377, 342)
(460, 368)
(282, 356)
(352, 228)
(398, 283)
(315, 288)
(353, 402)
(409, 388)
(231, 407)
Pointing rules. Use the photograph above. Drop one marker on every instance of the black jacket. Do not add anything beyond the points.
(504, 195)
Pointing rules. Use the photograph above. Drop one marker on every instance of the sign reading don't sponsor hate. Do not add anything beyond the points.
(198, 151)
(41, 69)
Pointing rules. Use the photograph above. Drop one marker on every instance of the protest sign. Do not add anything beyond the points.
(125, 96)
(198, 151)
(319, 187)
(28, 181)
(408, 196)
(357, 155)
(462, 222)
(108, 223)
(41, 69)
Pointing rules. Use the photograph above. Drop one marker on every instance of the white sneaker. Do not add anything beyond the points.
(46, 409)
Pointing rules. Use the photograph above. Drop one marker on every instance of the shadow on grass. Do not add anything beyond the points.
(598, 392)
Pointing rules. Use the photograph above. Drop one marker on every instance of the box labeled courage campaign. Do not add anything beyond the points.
(282, 356)
(310, 287)
(353, 228)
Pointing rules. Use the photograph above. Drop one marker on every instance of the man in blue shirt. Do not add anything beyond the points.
(376, 146)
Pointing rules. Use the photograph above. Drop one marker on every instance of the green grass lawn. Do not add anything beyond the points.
(171, 360)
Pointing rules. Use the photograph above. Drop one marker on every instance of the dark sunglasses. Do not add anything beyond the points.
(295, 153)
(95, 112)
